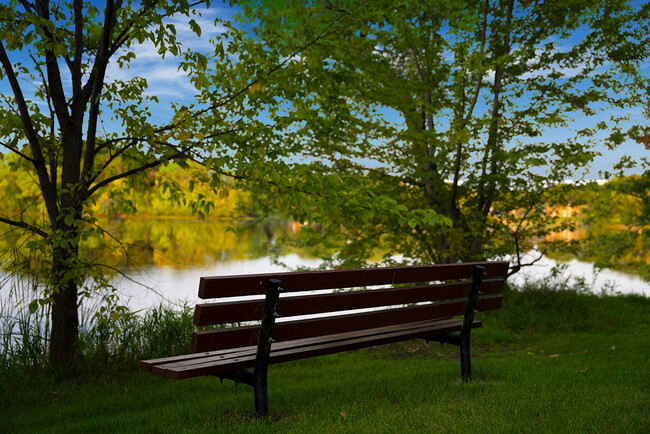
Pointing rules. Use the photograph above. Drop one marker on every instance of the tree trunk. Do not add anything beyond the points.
(65, 354)
(487, 188)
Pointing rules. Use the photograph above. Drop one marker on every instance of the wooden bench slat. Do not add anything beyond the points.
(251, 310)
(311, 347)
(208, 340)
(229, 286)
(146, 365)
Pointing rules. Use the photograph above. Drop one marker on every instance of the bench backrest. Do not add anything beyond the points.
(409, 294)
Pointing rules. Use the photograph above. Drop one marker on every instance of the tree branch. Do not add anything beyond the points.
(235, 95)
(453, 207)
(52, 155)
(99, 72)
(29, 7)
(119, 41)
(479, 77)
(17, 152)
(111, 159)
(514, 269)
(53, 71)
(492, 149)
(75, 69)
(134, 140)
(30, 134)
(131, 172)
(24, 225)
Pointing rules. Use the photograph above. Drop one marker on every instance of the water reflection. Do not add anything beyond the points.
(163, 260)
(185, 243)
(168, 257)
(625, 249)
(247, 250)
(571, 270)
(567, 235)
(149, 286)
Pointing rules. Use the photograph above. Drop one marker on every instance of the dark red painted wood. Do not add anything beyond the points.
(147, 365)
(219, 355)
(228, 286)
(209, 340)
(298, 349)
(229, 312)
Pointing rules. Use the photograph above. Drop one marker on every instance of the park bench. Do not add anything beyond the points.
(362, 308)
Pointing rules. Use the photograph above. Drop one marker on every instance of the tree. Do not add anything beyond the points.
(619, 212)
(443, 109)
(79, 132)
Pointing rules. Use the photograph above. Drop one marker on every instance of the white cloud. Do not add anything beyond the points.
(163, 75)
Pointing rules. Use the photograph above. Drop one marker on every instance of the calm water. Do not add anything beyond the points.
(169, 284)
(247, 252)
(167, 258)
(605, 280)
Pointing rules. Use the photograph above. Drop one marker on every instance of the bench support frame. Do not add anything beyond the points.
(273, 289)
(462, 339)
(468, 318)
(264, 342)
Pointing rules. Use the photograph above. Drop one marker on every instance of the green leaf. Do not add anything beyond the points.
(33, 306)
(195, 27)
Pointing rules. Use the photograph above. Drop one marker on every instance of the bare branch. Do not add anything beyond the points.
(23, 225)
(122, 274)
(514, 269)
(30, 134)
(17, 152)
(131, 172)
(96, 82)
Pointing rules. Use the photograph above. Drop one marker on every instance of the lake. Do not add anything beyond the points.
(166, 258)
(174, 277)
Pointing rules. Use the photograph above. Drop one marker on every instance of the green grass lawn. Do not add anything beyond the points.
(567, 378)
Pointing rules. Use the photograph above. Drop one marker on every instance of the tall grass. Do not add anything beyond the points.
(23, 334)
(557, 307)
(160, 332)
(107, 348)
(23, 343)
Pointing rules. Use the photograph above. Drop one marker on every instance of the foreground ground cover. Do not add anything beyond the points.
(570, 363)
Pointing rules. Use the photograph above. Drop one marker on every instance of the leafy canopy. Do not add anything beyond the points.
(432, 130)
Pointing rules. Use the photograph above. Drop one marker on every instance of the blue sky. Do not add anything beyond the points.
(170, 84)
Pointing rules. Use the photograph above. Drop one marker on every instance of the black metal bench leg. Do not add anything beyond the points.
(264, 342)
(465, 360)
(468, 319)
(261, 393)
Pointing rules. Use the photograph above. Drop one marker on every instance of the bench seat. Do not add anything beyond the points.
(217, 362)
